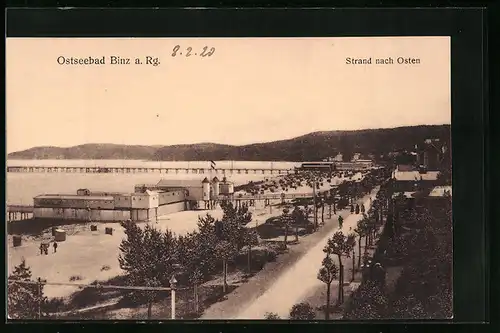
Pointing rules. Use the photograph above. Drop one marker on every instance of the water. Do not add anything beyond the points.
(22, 187)
(152, 164)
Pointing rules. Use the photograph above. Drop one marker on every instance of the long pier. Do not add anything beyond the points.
(133, 170)
(19, 212)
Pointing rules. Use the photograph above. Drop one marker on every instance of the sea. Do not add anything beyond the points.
(22, 187)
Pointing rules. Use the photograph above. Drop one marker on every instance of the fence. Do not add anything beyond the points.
(172, 289)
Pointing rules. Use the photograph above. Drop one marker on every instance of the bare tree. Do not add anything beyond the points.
(285, 221)
(340, 245)
(327, 273)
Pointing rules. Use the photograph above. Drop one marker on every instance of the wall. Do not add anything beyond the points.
(107, 203)
(226, 188)
(144, 201)
(143, 214)
(170, 197)
(81, 214)
(171, 208)
(123, 201)
(195, 193)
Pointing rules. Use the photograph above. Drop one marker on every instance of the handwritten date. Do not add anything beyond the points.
(188, 52)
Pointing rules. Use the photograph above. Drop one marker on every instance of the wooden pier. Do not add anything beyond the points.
(19, 212)
(157, 170)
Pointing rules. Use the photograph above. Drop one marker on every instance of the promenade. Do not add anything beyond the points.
(287, 281)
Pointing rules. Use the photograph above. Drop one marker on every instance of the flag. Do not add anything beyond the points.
(212, 164)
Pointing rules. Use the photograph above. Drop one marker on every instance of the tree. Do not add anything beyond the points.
(24, 301)
(361, 230)
(306, 213)
(252, 238)
(226, 251)
(298, 219)
(191, 257)
(302, 311)
(271, 316)
(195, 278)
(329, 200)
(340, 245)
(322, 205)
(130, 247)
(285, 220)
(148, 256)
(368, 302)
(234, 221)
(327, 273)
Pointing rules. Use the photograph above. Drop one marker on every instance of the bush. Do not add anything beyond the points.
(271, 255)
(271, 316)
(310, 228)
(53, 305)
(302, 311)
(259, 257)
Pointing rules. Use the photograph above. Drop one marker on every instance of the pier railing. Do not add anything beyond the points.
(162, 170)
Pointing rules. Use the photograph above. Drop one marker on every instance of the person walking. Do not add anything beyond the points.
(41, 248)
(341, 221)
(55, 247)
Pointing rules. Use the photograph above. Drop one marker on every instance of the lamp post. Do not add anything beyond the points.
(173, 282)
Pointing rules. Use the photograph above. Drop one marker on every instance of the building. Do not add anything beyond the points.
(226, 188)
(408, 179)
(195, 190)
(147, 203)
(317, 166)
(365, 163)
(431, 154)
(333, 166)
(78, 207)
(441, 192)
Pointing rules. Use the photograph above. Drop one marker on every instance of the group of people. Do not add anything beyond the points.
(44, 248)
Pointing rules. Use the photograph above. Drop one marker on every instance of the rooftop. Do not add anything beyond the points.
(405, 194)
(440, 191)
(74, 197)
(415, 175)
(405, 167)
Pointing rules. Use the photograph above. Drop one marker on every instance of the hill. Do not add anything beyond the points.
(309, 147)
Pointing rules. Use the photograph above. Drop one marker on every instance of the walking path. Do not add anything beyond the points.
(298, 280)
(280, 284)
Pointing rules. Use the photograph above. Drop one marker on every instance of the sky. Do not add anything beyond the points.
(249, 90)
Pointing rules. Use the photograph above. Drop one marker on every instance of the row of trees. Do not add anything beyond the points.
(151, 257)
(422, 247)
(343, 246)
(25, 295)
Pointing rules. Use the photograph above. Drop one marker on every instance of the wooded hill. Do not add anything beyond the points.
(309, 147)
